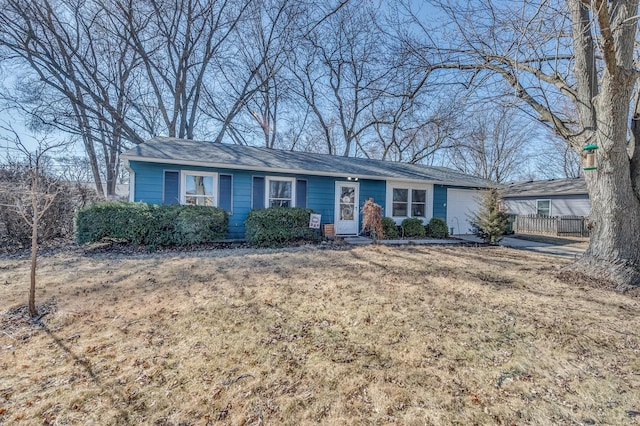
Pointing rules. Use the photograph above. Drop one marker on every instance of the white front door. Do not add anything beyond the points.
(346, 212)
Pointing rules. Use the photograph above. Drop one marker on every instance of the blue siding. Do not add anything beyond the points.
(321, 195)
(376, 189)
(320, 190)
(148, 181)
(440, 202)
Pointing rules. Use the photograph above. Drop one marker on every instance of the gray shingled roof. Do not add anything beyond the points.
(573, 186)
(221, 155)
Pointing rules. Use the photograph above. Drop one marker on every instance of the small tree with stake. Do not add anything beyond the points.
(490, 223)
(34, 197)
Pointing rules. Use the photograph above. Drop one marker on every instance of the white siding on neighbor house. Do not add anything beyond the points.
(570, 205)
(461, 205)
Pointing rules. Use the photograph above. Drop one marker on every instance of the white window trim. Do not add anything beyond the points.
(428, 205)
(550, 206)
(267, 183)
(132, 185)
(408, 202)
(183, 185)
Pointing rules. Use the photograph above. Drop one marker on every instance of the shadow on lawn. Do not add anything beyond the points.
(105, 389)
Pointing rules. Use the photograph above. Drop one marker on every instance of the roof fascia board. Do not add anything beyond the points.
(544, 194)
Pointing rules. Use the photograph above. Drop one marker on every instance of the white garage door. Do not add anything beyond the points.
(461, 203)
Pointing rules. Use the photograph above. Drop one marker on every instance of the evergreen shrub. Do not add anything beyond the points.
(276, 226)
(389, 228)
(437, 228)
(412, 227)
(490, 223)
(150, 225)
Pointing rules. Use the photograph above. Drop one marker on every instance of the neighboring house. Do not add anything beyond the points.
(122, 190)
(555, 197)
(240, 178)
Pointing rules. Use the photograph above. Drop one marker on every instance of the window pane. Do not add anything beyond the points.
(191, 200)
(399, 209)
(544, 207)
(400, 195)
(417, 209)
(348, 195)
(199, 185)
(418, 196)
(279, 189)
(346, 211)
(280, 203)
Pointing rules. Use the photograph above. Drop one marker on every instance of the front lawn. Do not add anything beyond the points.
(370, 335)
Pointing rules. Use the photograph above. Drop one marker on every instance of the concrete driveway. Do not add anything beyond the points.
(570, 251)
(546, 248)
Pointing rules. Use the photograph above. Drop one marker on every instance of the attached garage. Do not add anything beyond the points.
(461, 204)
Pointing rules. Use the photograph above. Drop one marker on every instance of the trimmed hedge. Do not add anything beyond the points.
(389, 228)
(437, 228)
(150, 225)
(276, 226)
(413, 227)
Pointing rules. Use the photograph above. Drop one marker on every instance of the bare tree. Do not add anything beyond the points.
(551, 54)
(409, 129)
(558, 159)
(246, 99)
(493, 146)
(32, 199)
(177, 41)
(80, 75)
(340, 70)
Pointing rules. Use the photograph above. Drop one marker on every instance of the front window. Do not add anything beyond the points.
(418, 202)
(199, 189)
(347, 202)
(280, 192)
(544, 208)
(400, 202)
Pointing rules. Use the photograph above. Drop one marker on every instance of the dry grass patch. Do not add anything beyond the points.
(371, 335)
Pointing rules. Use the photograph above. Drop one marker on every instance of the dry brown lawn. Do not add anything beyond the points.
(369, 335)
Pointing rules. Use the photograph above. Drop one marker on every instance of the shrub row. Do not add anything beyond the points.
(413, 228)
(151, 225)
(279, 225)
(437, 228)
(154, 225)
(389, 228)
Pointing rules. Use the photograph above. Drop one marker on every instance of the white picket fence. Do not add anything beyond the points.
(566, 226)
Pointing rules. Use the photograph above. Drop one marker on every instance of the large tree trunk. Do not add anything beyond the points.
(614, 248)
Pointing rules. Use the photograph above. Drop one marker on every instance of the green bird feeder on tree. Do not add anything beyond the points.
(590, 163)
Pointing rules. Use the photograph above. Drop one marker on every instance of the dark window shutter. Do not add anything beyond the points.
(258, 192)
(225, 192)
(301, 194)
(171, 188)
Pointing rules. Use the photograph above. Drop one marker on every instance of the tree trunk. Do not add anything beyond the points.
(614, 248)
(34, 244)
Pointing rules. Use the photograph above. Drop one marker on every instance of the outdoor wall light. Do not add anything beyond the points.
(590, 162)
(352, 178)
